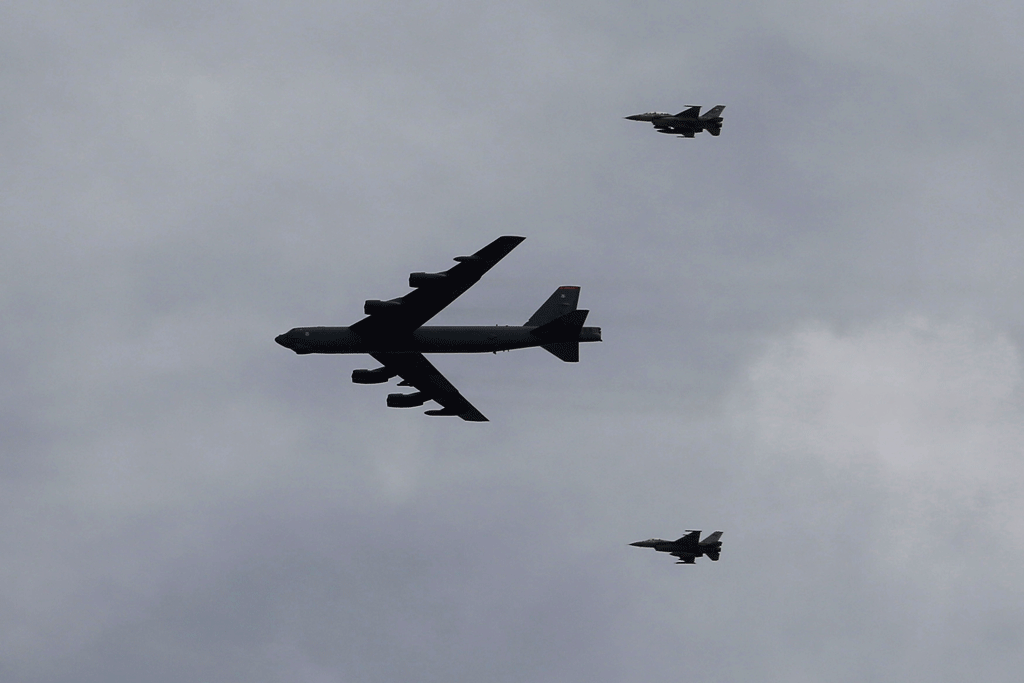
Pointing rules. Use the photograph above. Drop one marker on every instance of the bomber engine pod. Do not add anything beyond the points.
(376, 376)
(377, 306)
(441, 413)
(412, 400)
(421, 279)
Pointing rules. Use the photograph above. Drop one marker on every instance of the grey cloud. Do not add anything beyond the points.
(183, 499)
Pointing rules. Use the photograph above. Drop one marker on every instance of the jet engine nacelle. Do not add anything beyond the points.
(406, 400)
(421, 279)
(378, 376)
(377, 306)
(441, 412)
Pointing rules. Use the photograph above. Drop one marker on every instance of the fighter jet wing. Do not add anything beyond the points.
(691, 537)
(681, 131)
(685, 558)
(416, 371)
(433, 291)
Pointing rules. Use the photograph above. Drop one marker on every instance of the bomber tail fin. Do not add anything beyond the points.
(713, 113)
(563, 328)
(563, 301)
(565, 333)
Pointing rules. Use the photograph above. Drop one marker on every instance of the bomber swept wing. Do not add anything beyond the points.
(433, 291)
(419, 373)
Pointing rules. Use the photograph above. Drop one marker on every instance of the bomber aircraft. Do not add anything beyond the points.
(688, 548)
(686, 123)
(395, 335)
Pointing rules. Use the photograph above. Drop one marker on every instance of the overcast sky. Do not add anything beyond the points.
(813, 332)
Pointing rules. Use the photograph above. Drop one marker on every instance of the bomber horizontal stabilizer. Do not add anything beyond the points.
(567, 351)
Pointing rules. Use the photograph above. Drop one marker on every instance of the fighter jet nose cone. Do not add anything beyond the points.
(282, 340)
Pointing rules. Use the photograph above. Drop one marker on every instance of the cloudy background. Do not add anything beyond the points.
(813, 332)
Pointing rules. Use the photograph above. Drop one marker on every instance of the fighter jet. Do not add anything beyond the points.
(395, 335)
(688, 548)
(686, 123)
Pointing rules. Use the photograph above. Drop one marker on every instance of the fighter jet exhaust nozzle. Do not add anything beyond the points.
(406, 400)
(377, 376)
(422, 279)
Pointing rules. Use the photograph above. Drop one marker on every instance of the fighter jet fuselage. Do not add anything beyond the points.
(687, 548)
(428, 339)
(686, 123)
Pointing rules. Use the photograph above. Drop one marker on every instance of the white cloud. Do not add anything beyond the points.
(923, 417)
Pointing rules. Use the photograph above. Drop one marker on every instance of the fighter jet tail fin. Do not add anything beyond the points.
(563, 301)
(712, 545)
(691, 112)
(712, 538)
(567, 351)
(714, 112)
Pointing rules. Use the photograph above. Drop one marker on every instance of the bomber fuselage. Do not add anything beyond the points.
(425, 339)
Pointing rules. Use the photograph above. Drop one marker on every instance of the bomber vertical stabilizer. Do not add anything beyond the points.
(563, 301)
